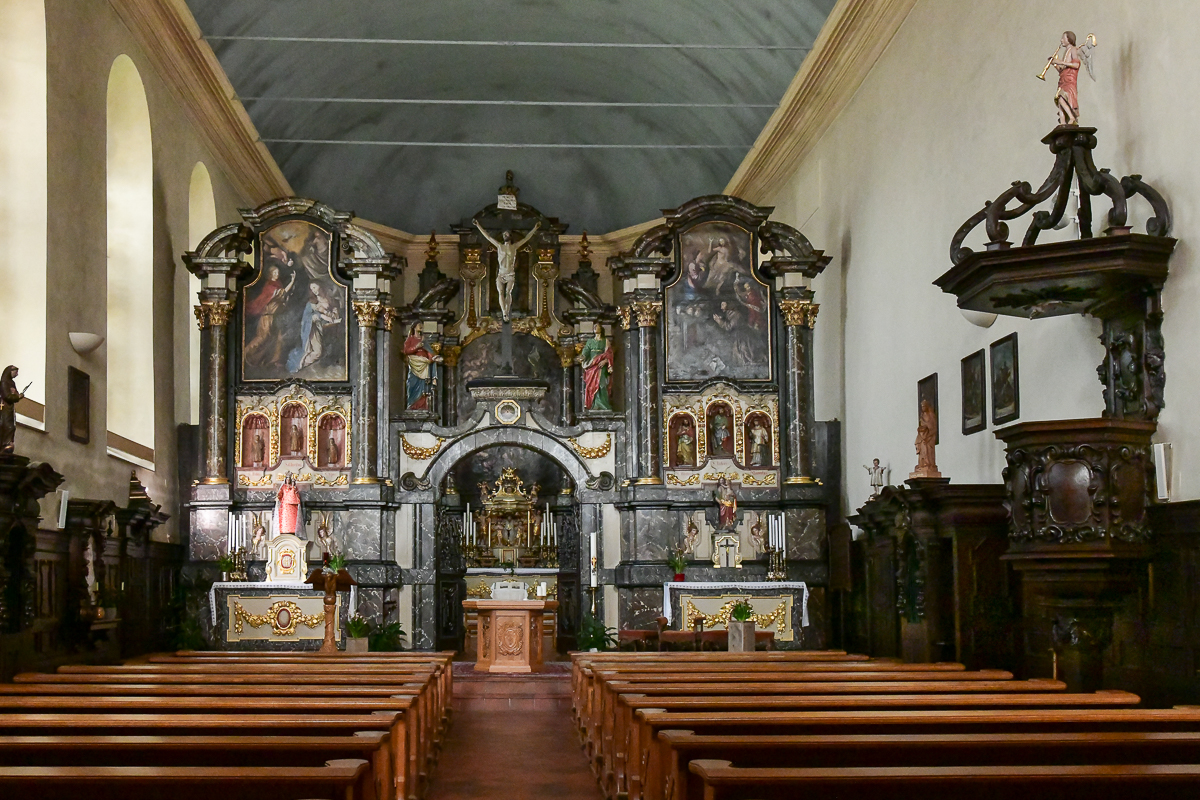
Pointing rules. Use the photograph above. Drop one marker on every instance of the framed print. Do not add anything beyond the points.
(1006, 383)
(927, 392)
(974, 393)
(79, 406)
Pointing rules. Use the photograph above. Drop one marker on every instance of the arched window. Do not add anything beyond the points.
(130, 267)
(202, 220)
(23, 198)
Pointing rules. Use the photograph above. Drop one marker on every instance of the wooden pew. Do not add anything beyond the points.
(722, 781)
(205, 751)
(626, 742)
(984, 749)
(653, 758)
(337, 780)
(406, 756)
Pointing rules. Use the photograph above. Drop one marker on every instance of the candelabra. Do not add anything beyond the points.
(776, 564)
(238, 573)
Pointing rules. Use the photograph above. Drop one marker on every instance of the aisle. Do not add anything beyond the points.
(512, 755)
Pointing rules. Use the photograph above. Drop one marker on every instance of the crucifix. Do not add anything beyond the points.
(727, 552)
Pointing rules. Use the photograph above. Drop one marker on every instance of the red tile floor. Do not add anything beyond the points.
(527, 751)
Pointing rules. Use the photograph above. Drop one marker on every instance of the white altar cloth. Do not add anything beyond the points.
(674, 586)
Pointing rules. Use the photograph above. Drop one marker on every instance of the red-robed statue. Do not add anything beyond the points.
(597, 361)
(287, 506)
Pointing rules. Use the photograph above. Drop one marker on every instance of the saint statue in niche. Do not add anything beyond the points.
(726, 505)
(296, 439)
(294, 430)
(334, 453)
(597, 361)
(685, 442)
(331, 441)
(10, 395)
(720, 431)
(758, 439)
(506, 260)
(254, 441)
(419, 359)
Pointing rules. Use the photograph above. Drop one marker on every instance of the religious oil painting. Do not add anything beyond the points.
(682, 438)
(927, 390)
(720, 431)
(717, 310)
(1006, 385)
(294, 324)
(974, 393)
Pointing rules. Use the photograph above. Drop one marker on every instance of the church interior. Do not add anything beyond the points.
(546, 399)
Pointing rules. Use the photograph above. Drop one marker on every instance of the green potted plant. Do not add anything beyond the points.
(225, 564)
(741, 627)
(358, 631)
(387, 638)
(677, 561)
(335, 564)
(594, 637)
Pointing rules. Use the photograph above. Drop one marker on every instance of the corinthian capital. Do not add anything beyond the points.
(367, 312)
(799, 312)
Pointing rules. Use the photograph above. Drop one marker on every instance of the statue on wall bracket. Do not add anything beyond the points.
(597, 361)
(9, 397)
(419, 359)
(506, 258)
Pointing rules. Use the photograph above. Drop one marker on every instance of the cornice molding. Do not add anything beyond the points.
(168, 33)
(846, 50)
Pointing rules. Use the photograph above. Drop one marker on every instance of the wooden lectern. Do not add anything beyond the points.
(509, 633)
(332, 584)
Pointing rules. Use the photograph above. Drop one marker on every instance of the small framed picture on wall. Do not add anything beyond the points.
(1006, 382)
(927, 392)
(974, 393)
(79, 406)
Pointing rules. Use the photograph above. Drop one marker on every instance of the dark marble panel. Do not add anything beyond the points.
(532, 358)
(358, 533)
(209, 537)
(485, 466)
(639, 608)
(658, 533)
(805, 533)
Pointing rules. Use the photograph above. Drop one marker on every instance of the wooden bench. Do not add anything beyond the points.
(984, 749)
(337, 780)
(409, 768)
(650, 767)
(205, 751)
(722, 781)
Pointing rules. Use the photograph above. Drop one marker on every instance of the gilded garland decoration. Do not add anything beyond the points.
(599, 451)
(295, 617)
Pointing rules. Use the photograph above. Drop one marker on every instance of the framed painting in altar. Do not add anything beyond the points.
(717, 310)
(1006, 383)
(927, 392)
(294, 314)
(974, 393)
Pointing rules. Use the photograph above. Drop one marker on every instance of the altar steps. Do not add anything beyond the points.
(489, 692)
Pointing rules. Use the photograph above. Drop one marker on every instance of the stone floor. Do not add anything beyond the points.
(519, 753)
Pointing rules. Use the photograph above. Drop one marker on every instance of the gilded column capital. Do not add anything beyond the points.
(647, 312)
(367, 312)
(626, 315)
(566, 354)
(450, 355)
(389, 316)
(799, 312)
(213, 312)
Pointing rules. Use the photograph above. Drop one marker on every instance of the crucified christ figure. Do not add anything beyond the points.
(506, 258)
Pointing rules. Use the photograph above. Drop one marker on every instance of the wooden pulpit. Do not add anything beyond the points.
(331, 584)
(509, 633)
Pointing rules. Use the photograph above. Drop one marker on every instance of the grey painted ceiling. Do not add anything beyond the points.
(607, 111)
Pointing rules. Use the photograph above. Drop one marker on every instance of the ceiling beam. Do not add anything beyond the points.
(501, 43)
(170, 37)
(850, 43)
(448, 102)
(513, 145)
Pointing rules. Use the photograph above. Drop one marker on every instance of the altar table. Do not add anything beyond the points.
(509, 633)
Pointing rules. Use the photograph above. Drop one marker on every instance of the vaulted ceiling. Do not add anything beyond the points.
(607, 111)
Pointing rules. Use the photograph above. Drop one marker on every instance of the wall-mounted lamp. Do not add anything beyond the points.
(84, 343)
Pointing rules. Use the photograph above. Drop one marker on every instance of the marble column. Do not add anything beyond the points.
(448, 371)
(566, 359)
(648, 401)
(363, 468)
(629, 340)
(799, 316)
(213, 318)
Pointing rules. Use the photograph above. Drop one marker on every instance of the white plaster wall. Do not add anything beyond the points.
(950, 115)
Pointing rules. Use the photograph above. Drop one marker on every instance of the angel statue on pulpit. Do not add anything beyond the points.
(1066, 99)
(506, 260)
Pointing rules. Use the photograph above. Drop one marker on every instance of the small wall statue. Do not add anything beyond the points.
(726, 505)
(420, 360)
(258, 536)
(926, 443)
(1066, 98)
(876, 471)
(287, 506)
(325, 535)
(9, 397)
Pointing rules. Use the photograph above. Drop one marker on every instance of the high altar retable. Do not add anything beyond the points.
(509, 633)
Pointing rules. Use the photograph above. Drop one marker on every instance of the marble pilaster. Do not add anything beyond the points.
(799, 317)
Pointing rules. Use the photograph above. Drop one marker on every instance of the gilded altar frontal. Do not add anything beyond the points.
(391, 386)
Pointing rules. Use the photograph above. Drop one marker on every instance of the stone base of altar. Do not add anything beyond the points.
(509, 633)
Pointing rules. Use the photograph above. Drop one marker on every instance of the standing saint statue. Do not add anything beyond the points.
(506, 259)
(419, 358)
(876, 472)
(758, 444)
(685, 446)
(287, 506)
(258, 449)
(9, 397)
(597, 361)
(926, 440)
(726, 505)
(334, 454)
